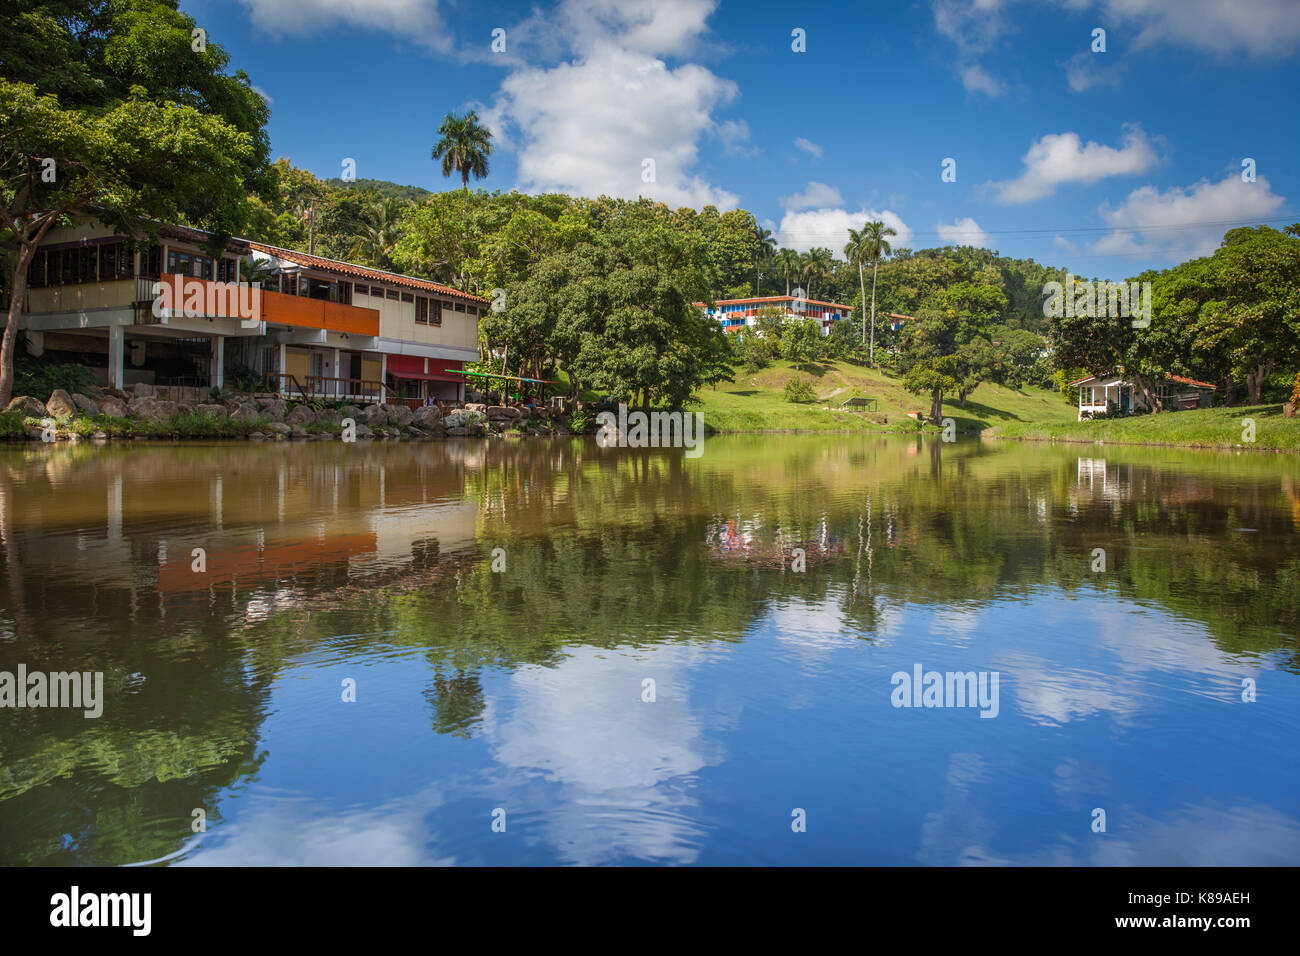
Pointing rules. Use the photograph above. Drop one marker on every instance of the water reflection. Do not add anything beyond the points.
(768, 589)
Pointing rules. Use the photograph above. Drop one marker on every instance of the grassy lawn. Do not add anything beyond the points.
(756, 402)
(1200, 428)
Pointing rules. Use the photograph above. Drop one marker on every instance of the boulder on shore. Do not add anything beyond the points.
(141, 390)
(85, 404)
(398, 415)
(427, 416)
(152, 409)
(29, 406)
(60, 405)
(112, 406)
(212, 411)
(302, 415)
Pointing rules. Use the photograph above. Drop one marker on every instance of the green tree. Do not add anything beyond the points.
(91, 127)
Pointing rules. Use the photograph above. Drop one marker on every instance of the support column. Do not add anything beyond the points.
(217, 368)
(284, 367)
(116, 355)
(338, 386)
(383, 378)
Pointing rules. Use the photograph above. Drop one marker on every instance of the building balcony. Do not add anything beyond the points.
(207, 299)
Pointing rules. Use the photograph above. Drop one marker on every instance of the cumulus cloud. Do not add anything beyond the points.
(615, 118)
(809, 147)
(1060, 158)
(1183, 222)
(415, 20)
(964, 232)
(815, 196)
(804, 229)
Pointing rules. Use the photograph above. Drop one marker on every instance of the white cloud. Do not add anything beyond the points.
(1059, 158)
(734, 137)
(974, 25)
(964, 232)
(977, 81)
(815, 196)
(804, 229)
(1086, 70)
(416, 20)
(1260, 28)
(808, 147)
(1183, 222)
(1061, 242)
(588, 125)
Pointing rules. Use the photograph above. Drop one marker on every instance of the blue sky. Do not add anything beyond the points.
(1106, 162)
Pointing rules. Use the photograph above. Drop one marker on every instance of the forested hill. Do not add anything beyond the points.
(383, 187)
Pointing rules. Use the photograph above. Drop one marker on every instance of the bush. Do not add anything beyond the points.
(40, 377)
(579, 423)
(800, 391)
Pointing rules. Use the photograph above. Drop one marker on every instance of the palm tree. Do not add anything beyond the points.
(868, 244)
(766, 245)
(464, 147)
(787, 260)
(816, 265)
(378, 233)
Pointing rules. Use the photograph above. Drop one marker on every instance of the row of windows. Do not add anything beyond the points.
(102, 262)
(428, 311)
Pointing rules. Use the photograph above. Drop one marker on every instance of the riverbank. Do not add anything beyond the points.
(141, 413)
(756, 402)
(1197, 428)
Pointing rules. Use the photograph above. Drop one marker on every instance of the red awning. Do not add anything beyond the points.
(422, 369)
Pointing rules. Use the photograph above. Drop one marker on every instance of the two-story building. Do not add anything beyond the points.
(321, 329)
(736, 315)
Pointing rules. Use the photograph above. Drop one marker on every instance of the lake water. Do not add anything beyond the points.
(504, 710)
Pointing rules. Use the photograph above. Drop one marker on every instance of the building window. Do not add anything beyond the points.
(391, 294)
(345, 293)
(151, 262)
(421, 310)
(226, 269)
(36, 270)
(408, 297)
(361, 289)
(87, 264)
(189, 264)
(435, 312)
(460, 306)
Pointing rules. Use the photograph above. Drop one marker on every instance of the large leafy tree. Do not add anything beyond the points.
(117, 111)
(464, 147)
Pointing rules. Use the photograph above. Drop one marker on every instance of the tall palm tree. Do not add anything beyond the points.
(868, 244)
(464, 147)
(787, 260)
(766, 245)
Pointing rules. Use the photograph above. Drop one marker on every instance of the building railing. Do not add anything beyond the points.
(324, 387)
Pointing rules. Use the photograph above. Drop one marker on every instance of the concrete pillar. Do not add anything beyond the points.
(35, 343)
(338, 373)
(284, 366)
(116, 355)
(383, 378)
(217, 369)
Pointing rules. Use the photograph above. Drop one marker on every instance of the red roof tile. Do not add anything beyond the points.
(361, 272)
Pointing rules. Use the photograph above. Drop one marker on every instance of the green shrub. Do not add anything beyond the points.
(579, 423)
(800, 391)
(40, 377)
